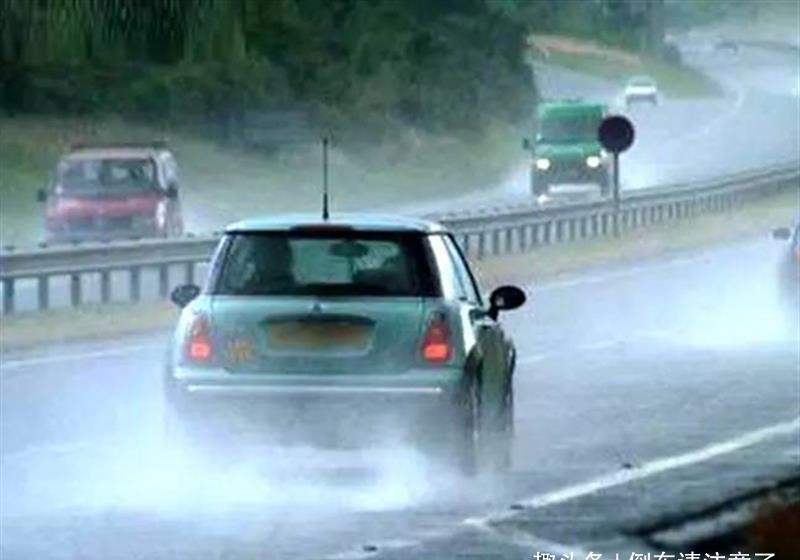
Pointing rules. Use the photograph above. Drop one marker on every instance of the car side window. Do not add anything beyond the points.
(170, 169)
(452, 287)
(462, 270)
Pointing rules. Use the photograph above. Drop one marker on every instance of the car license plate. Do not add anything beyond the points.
(316, 335)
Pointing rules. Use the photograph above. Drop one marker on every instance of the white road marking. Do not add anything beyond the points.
(582, 489)
(645, 470)
(78, 356)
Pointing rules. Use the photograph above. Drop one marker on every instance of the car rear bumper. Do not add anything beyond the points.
(641, 97)
(236, 407)
(66, 233)
(577, 173)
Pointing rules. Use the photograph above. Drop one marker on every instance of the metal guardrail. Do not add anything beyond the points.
(487, 232)
(518, 228)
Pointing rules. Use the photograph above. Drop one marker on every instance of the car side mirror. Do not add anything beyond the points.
(41, 195)
(782, 233)
(505, 298)
(526, 144)
(172, 191)
(183, 295)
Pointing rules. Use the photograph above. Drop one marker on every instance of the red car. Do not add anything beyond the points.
(113, 191)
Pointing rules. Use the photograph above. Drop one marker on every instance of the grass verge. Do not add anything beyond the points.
(221, 184)
(545, 263)
(614, 65)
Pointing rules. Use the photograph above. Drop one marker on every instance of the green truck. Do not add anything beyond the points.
(566, 148)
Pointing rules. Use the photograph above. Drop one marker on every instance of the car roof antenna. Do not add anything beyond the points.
(325, 213)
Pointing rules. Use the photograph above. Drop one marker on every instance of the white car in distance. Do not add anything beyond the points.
(641, 88)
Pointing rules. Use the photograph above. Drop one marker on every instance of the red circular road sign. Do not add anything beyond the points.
(616, 134)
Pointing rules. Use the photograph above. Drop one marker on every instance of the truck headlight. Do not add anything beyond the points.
(542, 164)
(593, 161)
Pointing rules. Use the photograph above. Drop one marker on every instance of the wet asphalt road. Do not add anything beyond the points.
(621, 370)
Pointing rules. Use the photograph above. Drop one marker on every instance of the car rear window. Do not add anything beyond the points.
(325, 264)
(107, 174)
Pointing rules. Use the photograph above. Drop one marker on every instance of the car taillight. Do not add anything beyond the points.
(198, 340)
(436, 346)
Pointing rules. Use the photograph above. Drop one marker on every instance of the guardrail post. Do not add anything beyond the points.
(481, 245)
(465, 244)
(573, 234)
(163, 281)
(595, 229)
(8, 296)
(495, 242)
(510, 240)
(136, 283)
(522, 238)
(559, 231)
(43, 292)
(105, 286)
(190, 273)
(75, 290)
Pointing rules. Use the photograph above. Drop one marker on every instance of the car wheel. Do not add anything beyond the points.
(538, 186)
(467, 437)
(483, 445)
(505, 439)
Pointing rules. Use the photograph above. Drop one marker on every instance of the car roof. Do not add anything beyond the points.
(356, 221)
(569, 107)
(127, 152)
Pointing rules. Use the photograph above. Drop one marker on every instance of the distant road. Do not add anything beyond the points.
(755, 124)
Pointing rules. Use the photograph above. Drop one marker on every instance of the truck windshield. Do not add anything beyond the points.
(106, 175)
(324, 264)
(569, 129)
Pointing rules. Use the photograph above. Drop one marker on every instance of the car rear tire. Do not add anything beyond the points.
(483, 444)
(467, 426)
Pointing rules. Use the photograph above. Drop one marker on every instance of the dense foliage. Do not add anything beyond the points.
(434, 65)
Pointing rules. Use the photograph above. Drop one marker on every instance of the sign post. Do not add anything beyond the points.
(616, 135)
